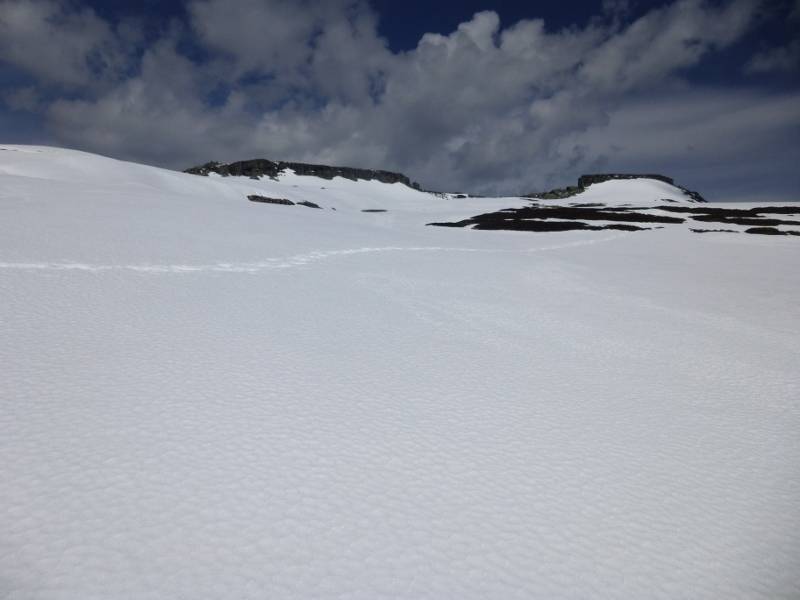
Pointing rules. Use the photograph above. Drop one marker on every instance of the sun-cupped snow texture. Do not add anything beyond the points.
(207, 397)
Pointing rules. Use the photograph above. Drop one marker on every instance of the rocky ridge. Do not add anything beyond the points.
(261, 167)
(549, 216)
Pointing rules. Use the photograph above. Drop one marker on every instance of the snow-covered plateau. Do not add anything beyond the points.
(207, 397)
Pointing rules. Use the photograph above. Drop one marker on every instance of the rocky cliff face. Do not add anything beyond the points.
(261, 167)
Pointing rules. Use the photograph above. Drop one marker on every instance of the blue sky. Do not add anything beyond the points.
(491, 97)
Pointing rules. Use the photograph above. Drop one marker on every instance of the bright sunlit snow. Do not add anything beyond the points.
(205, 397)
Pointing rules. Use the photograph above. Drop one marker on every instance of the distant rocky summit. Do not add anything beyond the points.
(584, 181)
(260, 167)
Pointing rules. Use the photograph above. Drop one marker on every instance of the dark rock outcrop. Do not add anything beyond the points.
(260, 167)
(540, 217)
(753, 216)
(557, 194)
(770, 231)
(747, 221)
(725, 212)
(543, 226)
(308, 204)
(267, 200)
(562, 218)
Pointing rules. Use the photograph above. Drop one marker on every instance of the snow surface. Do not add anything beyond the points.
(205, 397)
(626, 191)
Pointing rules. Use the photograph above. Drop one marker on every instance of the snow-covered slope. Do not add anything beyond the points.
(206, 397)
(638, 192)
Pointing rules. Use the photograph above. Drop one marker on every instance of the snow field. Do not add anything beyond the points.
(206, 398)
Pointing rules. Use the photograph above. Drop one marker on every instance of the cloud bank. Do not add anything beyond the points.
(484, 108)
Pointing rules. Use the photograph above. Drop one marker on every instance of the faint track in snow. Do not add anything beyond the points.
(279, 263)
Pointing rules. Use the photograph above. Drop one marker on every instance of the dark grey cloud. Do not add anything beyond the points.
(484, 108)
(60, 43)
(781, 57)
